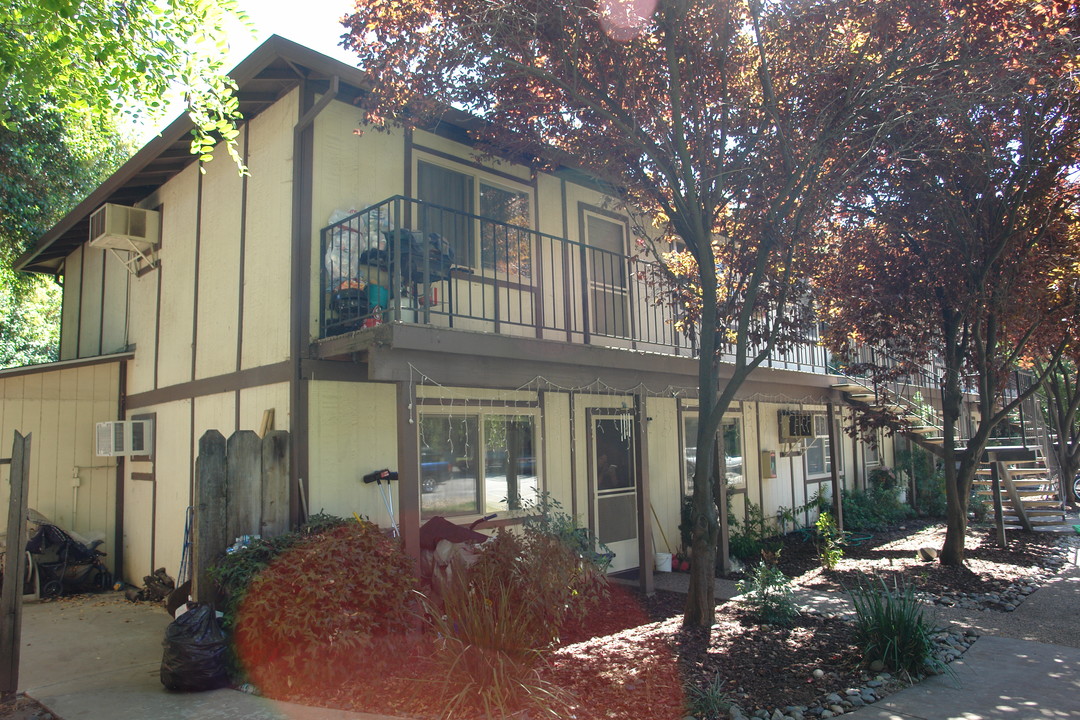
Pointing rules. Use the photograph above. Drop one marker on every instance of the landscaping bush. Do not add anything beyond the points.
(318, 613)
(501, 616)
(929, 481)
(875, 508)
(828, 541)
(890, 626)
(753, 537)
(233, 573)
(767, 593)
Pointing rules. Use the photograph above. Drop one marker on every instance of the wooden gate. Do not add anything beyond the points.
(241, 488)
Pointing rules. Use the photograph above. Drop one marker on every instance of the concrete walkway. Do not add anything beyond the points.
(98, 658)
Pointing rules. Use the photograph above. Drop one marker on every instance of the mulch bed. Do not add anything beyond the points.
(892, 556)
(631, 659)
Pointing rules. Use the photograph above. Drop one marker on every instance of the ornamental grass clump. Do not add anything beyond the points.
(500, 617)
(769, 596)
(891, 627)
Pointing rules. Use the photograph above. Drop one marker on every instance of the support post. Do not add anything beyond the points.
(209, 532)
(999, 514)
(646, 547)
(834, 463)
(14, 568)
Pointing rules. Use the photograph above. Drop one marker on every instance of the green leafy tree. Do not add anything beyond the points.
(98, 58)
(959, 253)
(47, 164)
(727, 124)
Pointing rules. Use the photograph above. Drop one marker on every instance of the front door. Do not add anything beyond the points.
(613, 476)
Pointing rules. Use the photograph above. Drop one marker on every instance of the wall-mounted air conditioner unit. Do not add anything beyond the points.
(795, 426)
(126, 229)
(124, 437)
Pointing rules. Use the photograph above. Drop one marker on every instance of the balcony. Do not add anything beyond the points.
(408, 261)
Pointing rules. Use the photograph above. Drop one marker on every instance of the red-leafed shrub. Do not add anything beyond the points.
(320, 611)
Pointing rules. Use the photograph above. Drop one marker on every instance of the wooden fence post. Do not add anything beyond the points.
(209, 532)
(275, 483)
(14, 568)
(244, 469)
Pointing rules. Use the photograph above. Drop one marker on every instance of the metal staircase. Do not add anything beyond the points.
(1018, 474)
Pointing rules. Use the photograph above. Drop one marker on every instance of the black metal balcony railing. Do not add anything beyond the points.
(404, 260)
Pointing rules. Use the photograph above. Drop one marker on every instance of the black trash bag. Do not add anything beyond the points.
(194, 656)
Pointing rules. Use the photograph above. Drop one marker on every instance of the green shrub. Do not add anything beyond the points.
(830, 550)
(929, 481)
(767, 593)
(749, 539)
(890, 626)
(875, 508)
(318, 613)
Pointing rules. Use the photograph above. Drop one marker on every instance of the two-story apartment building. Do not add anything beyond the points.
(486, 330)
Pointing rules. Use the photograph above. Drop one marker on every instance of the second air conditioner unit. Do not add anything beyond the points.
(796, 426)
(123, 437)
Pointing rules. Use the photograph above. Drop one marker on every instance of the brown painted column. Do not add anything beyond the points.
(645, 529)
(408, 470)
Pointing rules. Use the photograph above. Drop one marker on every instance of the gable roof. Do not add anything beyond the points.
(263, 77)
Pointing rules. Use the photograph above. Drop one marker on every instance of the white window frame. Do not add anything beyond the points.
(482, 413)
(826, 463)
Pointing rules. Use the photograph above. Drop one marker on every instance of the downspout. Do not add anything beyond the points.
(300, 325)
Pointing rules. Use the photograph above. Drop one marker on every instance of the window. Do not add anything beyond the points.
(732, 430)
(477, 463)
(873, 453)
(607, 276)
(818, 451)
(451, 191)
(504, 245)
(504, 240)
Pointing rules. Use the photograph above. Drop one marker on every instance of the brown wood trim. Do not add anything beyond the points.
(408, 456)
(82, 296)
(101, 307)
(64, 365)
(252, 377)
(472, 164)
(644, 518)
(121, 468)
(152, 417)
(198, 270)
(157, 306)
(407, 175)
(243, 259)
(300, 275)
(567, 314)
(149, 477)
(334, 370)
(192, 453)
(610, 214)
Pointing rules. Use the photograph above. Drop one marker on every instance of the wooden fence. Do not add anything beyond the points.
(241, 488)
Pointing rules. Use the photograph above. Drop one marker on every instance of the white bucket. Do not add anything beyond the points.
(663, 562)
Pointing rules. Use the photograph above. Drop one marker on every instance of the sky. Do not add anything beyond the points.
(313, 23)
